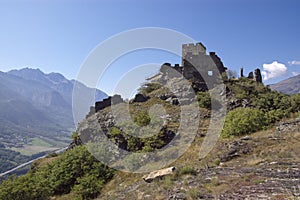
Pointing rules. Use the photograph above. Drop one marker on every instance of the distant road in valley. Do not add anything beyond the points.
(31, 161)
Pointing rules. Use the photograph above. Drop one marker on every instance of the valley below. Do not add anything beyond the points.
(35, 114)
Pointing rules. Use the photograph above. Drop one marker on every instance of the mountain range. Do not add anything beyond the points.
(288, 86)
(34, 104)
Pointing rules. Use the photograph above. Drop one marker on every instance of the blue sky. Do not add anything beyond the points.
(59, 35)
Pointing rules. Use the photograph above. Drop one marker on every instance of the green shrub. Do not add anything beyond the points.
(142, 118)
(75, 170)
(295, 103)
(25, 187)
(88, 187)
(242, 121)
(134, 144)
(217, 161)
(272, 101)
(275, 115)
(114, 131)
(204, 100)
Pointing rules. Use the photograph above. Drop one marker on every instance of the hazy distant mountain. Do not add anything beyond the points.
(288, 86)
(35, 104)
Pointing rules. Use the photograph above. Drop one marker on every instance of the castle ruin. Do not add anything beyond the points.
(203, 69)
(255, 75)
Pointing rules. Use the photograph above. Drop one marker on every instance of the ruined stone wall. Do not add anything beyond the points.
(108, 102)
(256, 75)
(217, 60)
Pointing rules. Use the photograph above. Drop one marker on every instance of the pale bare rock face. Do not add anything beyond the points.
(158, 174)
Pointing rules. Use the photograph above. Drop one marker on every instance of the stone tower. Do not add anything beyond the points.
(192, 49)
(200, 66)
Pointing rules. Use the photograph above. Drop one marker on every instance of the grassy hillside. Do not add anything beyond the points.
(242, 163)
(255, 172)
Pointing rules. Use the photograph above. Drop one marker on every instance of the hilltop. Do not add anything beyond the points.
(241, 164)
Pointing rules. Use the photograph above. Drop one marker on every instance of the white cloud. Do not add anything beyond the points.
(295, 73)
(273, 70)
(294, 62)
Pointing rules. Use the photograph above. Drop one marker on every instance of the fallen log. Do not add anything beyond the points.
(158, 174)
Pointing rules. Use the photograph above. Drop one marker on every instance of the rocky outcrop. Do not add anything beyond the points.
(236, 103)
(288, 127)
(139, 98)
(272, 183)
(235, 149)
(173, 101)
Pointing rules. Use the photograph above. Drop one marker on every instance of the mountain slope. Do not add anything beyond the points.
(288, 86)
(54, 81)
(36, 109)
